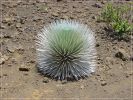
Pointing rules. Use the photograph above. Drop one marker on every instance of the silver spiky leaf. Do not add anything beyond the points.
(66, 49)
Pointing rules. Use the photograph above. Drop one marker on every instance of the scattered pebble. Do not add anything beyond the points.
(26, 74)
(64, 81)
(82, 86)
(45, 80)
(119, 55)
(18, 25)
(122, 55)
(131, 58)
(98, 58)
(7, 19)
(64, 11)
(3, 58)
(2, 26)
(98, 5)
(32, 61)
(97, 74)
(103, 83)
(72, 17)
(11, 47)
(59, 0)
(65, 17)
(22, 20)
(36, 18)
(6, 35)
(55, 14)
(94, 17)
(103, 2)
(109, 60)
(41, 1)
(5, 75)
(97, 45)
(23, 69)
(128, 73)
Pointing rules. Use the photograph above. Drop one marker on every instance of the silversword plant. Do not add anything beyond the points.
(66, 50)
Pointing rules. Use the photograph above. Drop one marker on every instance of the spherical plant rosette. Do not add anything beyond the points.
(66, 50)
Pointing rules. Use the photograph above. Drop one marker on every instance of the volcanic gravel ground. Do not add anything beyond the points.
(21, 20)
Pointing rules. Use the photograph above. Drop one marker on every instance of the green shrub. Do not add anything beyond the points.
(116, 19)
(121, 27)
(109, 14)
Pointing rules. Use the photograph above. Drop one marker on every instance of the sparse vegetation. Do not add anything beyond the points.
(121, 27)
(117, 19)
(109, 14)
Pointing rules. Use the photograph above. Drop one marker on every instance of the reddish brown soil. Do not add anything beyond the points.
(22, 20)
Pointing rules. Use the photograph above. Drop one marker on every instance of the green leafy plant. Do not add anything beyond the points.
(121, 27)
(109, 14)
(116, 19)
(66, 49)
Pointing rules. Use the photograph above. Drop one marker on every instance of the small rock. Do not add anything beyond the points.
(103, 83)
(128, 73)
(36, 18)
(86, 8)
(65, 17)
(5, 75)
(32, 61)
(26, 74)
(97, 74)
(97, 45)
(41, 1)
(22, 20)
(9, 65)
(94, 17)
(78, 11)
(64, 81)
(72, 17)
(98, 58)
(3, 58)
(64, 11)
(103, 2)
(11, 47)
(2, 26)
(45, 81)
(18, 25)
(109, 60)
(8, 36)
(23, 69)
(59, 0)
(131, 58)
(122, 54)
(131, 37)
(55, 14)
(98, 5)
(82, 87)
(13, 4)
(7, 19)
